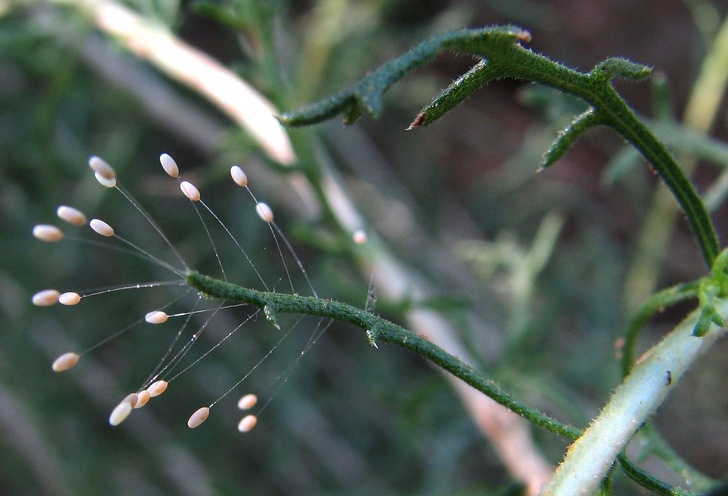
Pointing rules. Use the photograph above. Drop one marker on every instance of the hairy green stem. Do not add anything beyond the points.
(378, 330)
(646, 480)
(381, 330)
(501, 55)
(644, 140)
(700, 113)
(609, 109)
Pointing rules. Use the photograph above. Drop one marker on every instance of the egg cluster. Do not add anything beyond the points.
(106, 176)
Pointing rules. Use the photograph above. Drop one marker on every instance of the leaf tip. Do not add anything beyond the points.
(557, 150)
(622, 68)
(547, 161)
(288, 119)
(523, 35)
(419, 121)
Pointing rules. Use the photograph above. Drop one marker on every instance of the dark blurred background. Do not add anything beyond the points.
(350, 419)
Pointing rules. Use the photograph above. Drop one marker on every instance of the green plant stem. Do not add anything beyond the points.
(700, 114)
(644, 479)
(381, 330)
(502, 55)
(611, 110)
(378, 330)
(659, 447)
(640, 136)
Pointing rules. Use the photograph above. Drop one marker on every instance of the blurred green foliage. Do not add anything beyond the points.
(350, 419)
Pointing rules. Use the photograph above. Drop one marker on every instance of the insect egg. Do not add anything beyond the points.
(360, 237)
(142, 398)
(239, 176)
(247, 423)
(69, 299)
(65, 362)
(157, 388)
(198, 417)
(120, 412)
(47, 233)
(101, 228)
(45, 298)
(264, 212)
(169, 165)
(156, 317)
(103, 172)
(247, 402)
(71, 215)
(190, 190)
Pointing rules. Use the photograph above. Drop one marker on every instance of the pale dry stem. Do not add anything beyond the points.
(195, 69)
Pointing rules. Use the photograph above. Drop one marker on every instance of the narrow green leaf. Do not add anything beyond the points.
(622, 68)
(377, 330)
(366, 95)
(459, 90)
(568, 136)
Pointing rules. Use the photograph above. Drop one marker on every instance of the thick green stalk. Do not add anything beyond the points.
(646, 387)
(657, 303)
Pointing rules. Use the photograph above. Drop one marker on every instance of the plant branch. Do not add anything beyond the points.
(509, 434)
(631, 404)
(701, 111)
(148, 40)
(378, 330)
(501, 55)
